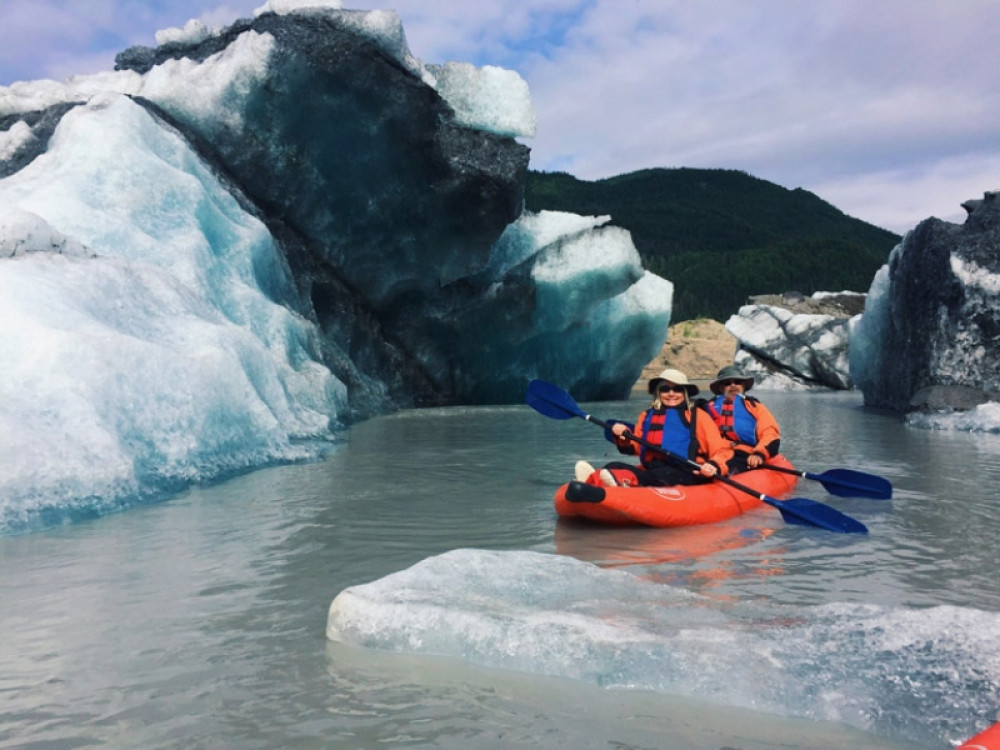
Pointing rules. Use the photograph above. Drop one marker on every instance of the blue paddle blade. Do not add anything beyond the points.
(805, 512)
(845, 482)
(551, 401)
(849, 483)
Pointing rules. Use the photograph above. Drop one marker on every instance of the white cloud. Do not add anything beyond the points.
(887, 110)
(893, 198)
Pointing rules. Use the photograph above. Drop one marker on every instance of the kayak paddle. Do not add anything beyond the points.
(845, 482)
(552, 401)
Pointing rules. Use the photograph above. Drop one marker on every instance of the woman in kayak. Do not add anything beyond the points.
(748, 425)
(673, 423)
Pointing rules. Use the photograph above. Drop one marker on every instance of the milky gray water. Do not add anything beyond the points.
(199, 622)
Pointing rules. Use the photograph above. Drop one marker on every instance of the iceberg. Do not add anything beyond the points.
(150, 349)
(927, 343)
(555, 615)
(246, 239)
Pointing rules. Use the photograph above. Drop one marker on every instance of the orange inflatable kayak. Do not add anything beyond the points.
(672, 506)
(988, 739)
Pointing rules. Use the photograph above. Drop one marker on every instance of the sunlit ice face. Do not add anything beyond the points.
(671, 394)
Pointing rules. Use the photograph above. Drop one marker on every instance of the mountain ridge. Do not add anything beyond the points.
(722, 235)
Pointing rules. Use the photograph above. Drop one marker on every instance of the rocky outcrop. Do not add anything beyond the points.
(930, 334)
(834, 304)
(698, 348)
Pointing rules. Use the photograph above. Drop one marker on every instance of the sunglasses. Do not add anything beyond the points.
(672, 389)
(727, 383)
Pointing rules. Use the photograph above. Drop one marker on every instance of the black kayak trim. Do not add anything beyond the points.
(580, 492)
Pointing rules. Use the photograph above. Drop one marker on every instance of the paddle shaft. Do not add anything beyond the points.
(845, 482)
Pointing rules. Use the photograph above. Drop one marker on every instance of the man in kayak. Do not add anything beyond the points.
(748, 425)
(672, 422)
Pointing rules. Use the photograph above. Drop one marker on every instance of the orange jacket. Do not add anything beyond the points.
(712, 447)
(768, 433)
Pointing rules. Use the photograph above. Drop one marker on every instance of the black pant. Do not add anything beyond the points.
(660, 475)
(738, 463)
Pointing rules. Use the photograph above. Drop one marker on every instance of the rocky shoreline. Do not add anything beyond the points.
(699, 348)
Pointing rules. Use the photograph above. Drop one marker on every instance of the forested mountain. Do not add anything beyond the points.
(723, 235)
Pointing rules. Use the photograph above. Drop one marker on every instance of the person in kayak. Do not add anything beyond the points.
(748, 425)
(672, 422)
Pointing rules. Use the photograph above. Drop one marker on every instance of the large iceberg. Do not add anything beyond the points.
(552, 614)
(929, 339)
(793, 342)
(147, 348)
(246, 238)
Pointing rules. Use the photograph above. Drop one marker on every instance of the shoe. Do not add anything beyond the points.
(608, 479)
(583, 471)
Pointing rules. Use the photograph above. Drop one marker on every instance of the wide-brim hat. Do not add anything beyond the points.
(730, 372)
(673, 376)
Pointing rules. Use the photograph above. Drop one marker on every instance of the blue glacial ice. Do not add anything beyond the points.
(148, 349)
(245, 239)
(886, 670)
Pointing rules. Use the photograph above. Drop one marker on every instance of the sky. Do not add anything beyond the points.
(888, 109)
